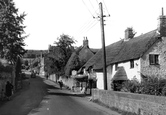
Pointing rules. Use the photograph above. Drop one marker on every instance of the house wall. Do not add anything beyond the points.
(109, 76)
(131, 72)
(155, 70)
(100, 82)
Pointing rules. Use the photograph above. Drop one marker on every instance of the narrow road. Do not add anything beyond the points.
(26, 99)
(43, 97)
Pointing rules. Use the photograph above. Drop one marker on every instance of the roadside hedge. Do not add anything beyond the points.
(149, 85)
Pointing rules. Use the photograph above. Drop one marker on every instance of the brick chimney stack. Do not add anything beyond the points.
(85, 42)
(162, 24)
(129, 34)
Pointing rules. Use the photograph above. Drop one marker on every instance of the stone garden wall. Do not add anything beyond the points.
(136, 103)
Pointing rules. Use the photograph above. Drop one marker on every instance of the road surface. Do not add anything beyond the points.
(43, 97)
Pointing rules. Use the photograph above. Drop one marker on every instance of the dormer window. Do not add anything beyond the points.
(153, 59)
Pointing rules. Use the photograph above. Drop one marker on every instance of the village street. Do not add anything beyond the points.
(43, 97)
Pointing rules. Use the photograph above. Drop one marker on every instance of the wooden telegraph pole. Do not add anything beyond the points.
(103, 46)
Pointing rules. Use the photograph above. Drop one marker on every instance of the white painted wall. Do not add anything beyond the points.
(131, 72)
(100, 82)
(109, 76)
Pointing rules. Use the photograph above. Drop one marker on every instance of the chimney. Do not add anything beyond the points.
(129, 34)
(162, 24)
(49, 48)
(85, 42)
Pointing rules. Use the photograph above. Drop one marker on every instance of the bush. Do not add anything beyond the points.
(163, 91)
(150, 85)
(131, 86)
(116, 85)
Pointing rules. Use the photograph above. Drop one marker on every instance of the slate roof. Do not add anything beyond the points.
(124, 50)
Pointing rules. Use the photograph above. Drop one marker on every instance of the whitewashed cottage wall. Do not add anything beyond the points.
(131, 72)
(100, 82)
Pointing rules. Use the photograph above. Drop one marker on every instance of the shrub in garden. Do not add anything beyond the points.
(149, 85)
(153, 86)
(131, 86)
(117, 85)
(163, 93)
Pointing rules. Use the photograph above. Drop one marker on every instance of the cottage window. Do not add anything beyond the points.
(116, 67)
(154, 59)
(131, 63)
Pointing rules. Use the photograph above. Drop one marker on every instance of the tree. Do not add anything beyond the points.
(65, 45)
(18, 68)
(11, 31)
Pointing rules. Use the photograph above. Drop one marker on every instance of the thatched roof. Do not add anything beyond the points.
(84, 53)
(136, 47)
(120, 74)
(122, 51)
(96, 60)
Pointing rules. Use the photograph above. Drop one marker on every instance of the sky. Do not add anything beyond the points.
(46, 20)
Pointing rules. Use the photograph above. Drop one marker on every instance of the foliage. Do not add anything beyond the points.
(35, 63)
(11, 31)
(131, 86)
(26, 63)
(73, 64)
(117, 85)
(7, 69)
(18, 68)
(50, 65)
(65, 45)
(150, 85)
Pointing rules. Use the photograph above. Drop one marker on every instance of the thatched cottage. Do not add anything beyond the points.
(79, 57)
(133, 57)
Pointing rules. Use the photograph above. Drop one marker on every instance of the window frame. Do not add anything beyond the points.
(153, 59)
(131, 64)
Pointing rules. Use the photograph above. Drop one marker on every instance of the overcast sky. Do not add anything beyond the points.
(48, 19)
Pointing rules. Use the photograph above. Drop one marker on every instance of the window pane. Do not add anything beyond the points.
(153, 59)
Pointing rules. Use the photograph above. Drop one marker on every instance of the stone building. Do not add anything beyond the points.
(140, 56)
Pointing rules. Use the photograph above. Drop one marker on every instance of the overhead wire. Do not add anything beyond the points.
(91, 22)
(85, 28)
(97, 2)
(106, 8)
(93, 7)
(96, 22)
(87, 8)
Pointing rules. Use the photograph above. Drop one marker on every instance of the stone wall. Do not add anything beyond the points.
(136, 103)
(155, 70)
(4, 77)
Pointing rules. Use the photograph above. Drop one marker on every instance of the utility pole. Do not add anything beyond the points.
(103, 46)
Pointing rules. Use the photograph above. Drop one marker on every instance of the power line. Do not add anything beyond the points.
(88, 23)
(85, 24)
(87, 27)
(97, 2)
(87, 8)
(93, 6)
(106, 8)
(92, 26)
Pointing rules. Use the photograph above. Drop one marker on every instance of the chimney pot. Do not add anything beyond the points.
(162, 24)
(129, 34)
(85, 42)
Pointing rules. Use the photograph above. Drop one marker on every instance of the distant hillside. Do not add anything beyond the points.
(35, 53)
